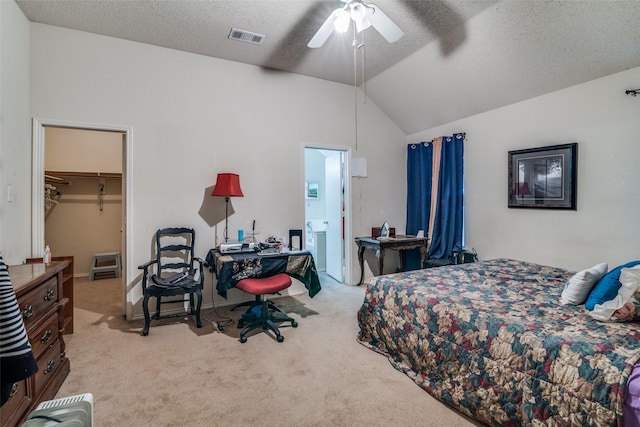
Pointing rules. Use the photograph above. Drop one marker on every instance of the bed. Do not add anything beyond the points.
(492, 340)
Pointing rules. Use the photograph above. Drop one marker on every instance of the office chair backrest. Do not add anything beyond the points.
(174, 251)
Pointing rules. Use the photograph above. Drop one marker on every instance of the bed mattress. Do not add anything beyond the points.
(492, 340)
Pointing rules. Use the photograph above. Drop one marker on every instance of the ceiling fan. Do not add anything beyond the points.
(363, 15)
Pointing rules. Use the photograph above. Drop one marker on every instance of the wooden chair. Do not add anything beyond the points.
(173, 273)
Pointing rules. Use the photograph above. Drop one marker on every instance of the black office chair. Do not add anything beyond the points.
(175, 274)
(269, 314)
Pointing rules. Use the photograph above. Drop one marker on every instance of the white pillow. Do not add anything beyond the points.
(577, 288)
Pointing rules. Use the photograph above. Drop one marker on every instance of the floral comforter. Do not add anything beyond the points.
(492, 340)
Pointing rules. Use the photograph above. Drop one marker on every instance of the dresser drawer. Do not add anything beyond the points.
(38, 302)
(15, 406)
(43, 337)
(48, 364)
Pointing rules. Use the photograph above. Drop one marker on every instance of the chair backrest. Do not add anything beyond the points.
(174, 251)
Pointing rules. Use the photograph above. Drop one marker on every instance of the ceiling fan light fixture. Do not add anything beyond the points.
(358, 11)
(341, 24)
(363, 15)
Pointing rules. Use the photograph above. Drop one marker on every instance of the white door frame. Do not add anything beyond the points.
(347, 202)
(37, 199)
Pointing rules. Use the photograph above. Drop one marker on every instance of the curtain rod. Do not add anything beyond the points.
(464, 136)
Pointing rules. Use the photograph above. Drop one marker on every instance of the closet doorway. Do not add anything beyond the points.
(82, 171)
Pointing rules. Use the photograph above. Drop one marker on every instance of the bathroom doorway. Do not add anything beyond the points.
(326, 210)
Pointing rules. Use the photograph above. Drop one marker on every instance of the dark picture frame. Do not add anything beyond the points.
(544, 177)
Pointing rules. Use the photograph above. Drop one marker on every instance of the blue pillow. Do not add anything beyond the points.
(607, 288)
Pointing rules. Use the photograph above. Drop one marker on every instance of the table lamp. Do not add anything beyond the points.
(227, 185)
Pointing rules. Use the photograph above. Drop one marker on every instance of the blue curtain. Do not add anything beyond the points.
(436, 167)
(419, 183)
(448, 221)
(419, 164)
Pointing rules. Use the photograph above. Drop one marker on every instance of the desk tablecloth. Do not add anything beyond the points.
(231, 268)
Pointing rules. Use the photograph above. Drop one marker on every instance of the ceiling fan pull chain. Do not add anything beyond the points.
(355, 84)
(364, 70)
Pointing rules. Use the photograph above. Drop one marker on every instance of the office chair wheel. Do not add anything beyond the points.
(280, 338)
(243, 339)
(294, 324)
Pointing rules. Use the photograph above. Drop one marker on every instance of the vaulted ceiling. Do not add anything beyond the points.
(457, 57)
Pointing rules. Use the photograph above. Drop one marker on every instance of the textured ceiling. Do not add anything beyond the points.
(493, 53)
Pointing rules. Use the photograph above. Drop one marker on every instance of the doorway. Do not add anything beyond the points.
(97, 195)
(326, 210)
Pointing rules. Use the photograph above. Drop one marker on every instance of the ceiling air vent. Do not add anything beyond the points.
(246, 36)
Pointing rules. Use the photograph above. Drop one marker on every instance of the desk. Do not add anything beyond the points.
(398, 243)
(230, 268)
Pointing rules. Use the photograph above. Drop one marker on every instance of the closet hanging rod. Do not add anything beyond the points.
(48, 179)
(57, 175)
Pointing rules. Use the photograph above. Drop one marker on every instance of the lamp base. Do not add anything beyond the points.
(226, 219)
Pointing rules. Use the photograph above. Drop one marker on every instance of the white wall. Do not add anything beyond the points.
(82, 150)
(194, 116)
(606, 125)
(15, 134)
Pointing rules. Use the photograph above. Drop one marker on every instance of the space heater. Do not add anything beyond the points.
(72, 411)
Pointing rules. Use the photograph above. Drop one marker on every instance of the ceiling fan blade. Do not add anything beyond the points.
(385, 26)
(325, 30)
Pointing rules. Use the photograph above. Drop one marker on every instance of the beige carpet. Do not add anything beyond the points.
(183, 376)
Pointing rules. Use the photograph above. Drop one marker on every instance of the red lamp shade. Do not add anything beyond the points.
(227, 184)
(523, 189)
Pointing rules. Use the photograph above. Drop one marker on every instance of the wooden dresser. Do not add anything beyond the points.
(67, 289)
(39, 290)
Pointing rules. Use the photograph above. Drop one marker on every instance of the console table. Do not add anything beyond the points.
(399, 243)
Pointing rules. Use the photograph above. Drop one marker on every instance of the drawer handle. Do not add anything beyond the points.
(46, 337)
(51, 365)
(51, 294)
(28, 311)
(14, 389)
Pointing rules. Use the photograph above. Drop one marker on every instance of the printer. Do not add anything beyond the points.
(230, 247)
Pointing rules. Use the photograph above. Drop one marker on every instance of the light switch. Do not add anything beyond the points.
(9, 193)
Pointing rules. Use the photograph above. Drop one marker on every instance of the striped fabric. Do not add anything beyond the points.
(16, 358)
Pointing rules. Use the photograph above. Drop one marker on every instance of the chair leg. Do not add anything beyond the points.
(199, 304)
(147, 318)
(158, 304)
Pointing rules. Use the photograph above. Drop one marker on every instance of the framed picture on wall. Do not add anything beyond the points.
(543, 177)
(312, 190)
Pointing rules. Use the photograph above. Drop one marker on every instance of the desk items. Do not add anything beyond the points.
(295, 237)
(377, 231)
(230, 247)
(384, 231)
